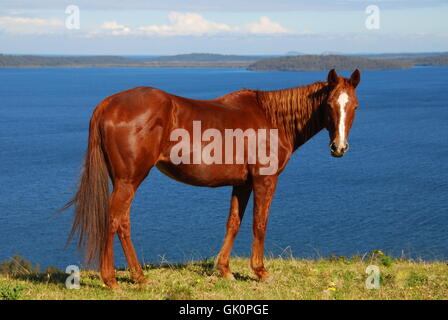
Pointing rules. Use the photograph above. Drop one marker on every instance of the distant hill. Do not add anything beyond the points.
(29, 61)
(204, 57)
(400, 55)
(294, 53)
(439, 60)
(198, 60)
(327, 62)
(208, 60)
(331, 53)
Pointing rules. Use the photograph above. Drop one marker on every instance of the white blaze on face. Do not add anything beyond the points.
(342, 101)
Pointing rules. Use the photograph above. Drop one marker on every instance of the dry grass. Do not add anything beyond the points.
(293, 279)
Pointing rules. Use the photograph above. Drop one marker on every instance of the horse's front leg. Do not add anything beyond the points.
(264, 188)
(238, 203)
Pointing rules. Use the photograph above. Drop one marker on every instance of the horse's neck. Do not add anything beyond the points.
(298, 111)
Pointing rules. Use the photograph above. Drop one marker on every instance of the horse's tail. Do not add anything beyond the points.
(91, 201)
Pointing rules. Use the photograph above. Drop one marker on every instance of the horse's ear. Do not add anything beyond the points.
(355, 78)
(333, 77)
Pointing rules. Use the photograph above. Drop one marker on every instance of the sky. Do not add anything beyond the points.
(138, 27)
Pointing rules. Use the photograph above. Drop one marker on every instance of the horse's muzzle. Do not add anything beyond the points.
(338, 152)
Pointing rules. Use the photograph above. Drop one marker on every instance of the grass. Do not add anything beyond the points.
(335, 278)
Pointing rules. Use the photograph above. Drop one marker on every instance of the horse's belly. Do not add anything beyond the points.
(203, 175)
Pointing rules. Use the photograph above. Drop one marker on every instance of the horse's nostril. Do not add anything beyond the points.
(333, 147)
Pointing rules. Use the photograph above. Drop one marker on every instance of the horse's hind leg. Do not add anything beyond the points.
(126, 173)
(120, 202)
(119, 222)
(240, 197)
(124, 234)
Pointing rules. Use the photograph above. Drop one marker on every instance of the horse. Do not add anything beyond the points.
(132, 131)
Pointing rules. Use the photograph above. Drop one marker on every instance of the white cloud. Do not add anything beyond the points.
(189, 24)
(25, 25)
(112, 25)
(266, 26)
(186, 24)
(115, 28)
(179, 24)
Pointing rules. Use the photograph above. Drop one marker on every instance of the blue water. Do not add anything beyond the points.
(389, 192)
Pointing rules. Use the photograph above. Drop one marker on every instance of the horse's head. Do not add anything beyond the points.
(340, 113)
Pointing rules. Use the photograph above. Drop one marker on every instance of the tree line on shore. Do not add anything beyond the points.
(282, 63)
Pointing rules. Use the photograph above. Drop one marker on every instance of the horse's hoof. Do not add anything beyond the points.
(267, 279)
(229, 276)
(112, 284)
(264, 276)
(140, 279)
(225, 271)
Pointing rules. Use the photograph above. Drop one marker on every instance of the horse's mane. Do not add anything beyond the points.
(295, 110)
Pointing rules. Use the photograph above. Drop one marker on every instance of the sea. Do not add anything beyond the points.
(389, 192)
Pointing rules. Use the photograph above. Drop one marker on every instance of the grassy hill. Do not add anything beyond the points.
(336, 278)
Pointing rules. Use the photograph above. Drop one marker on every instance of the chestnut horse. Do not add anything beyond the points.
(131, 132)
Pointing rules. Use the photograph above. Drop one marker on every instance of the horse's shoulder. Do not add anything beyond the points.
(236, 96)
(239, 93)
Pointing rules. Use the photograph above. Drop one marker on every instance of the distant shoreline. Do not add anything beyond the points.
(149, 66)
(192, 67)
(251, 63)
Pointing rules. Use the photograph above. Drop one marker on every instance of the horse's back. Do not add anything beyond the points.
(132, 102)
(135, 101)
